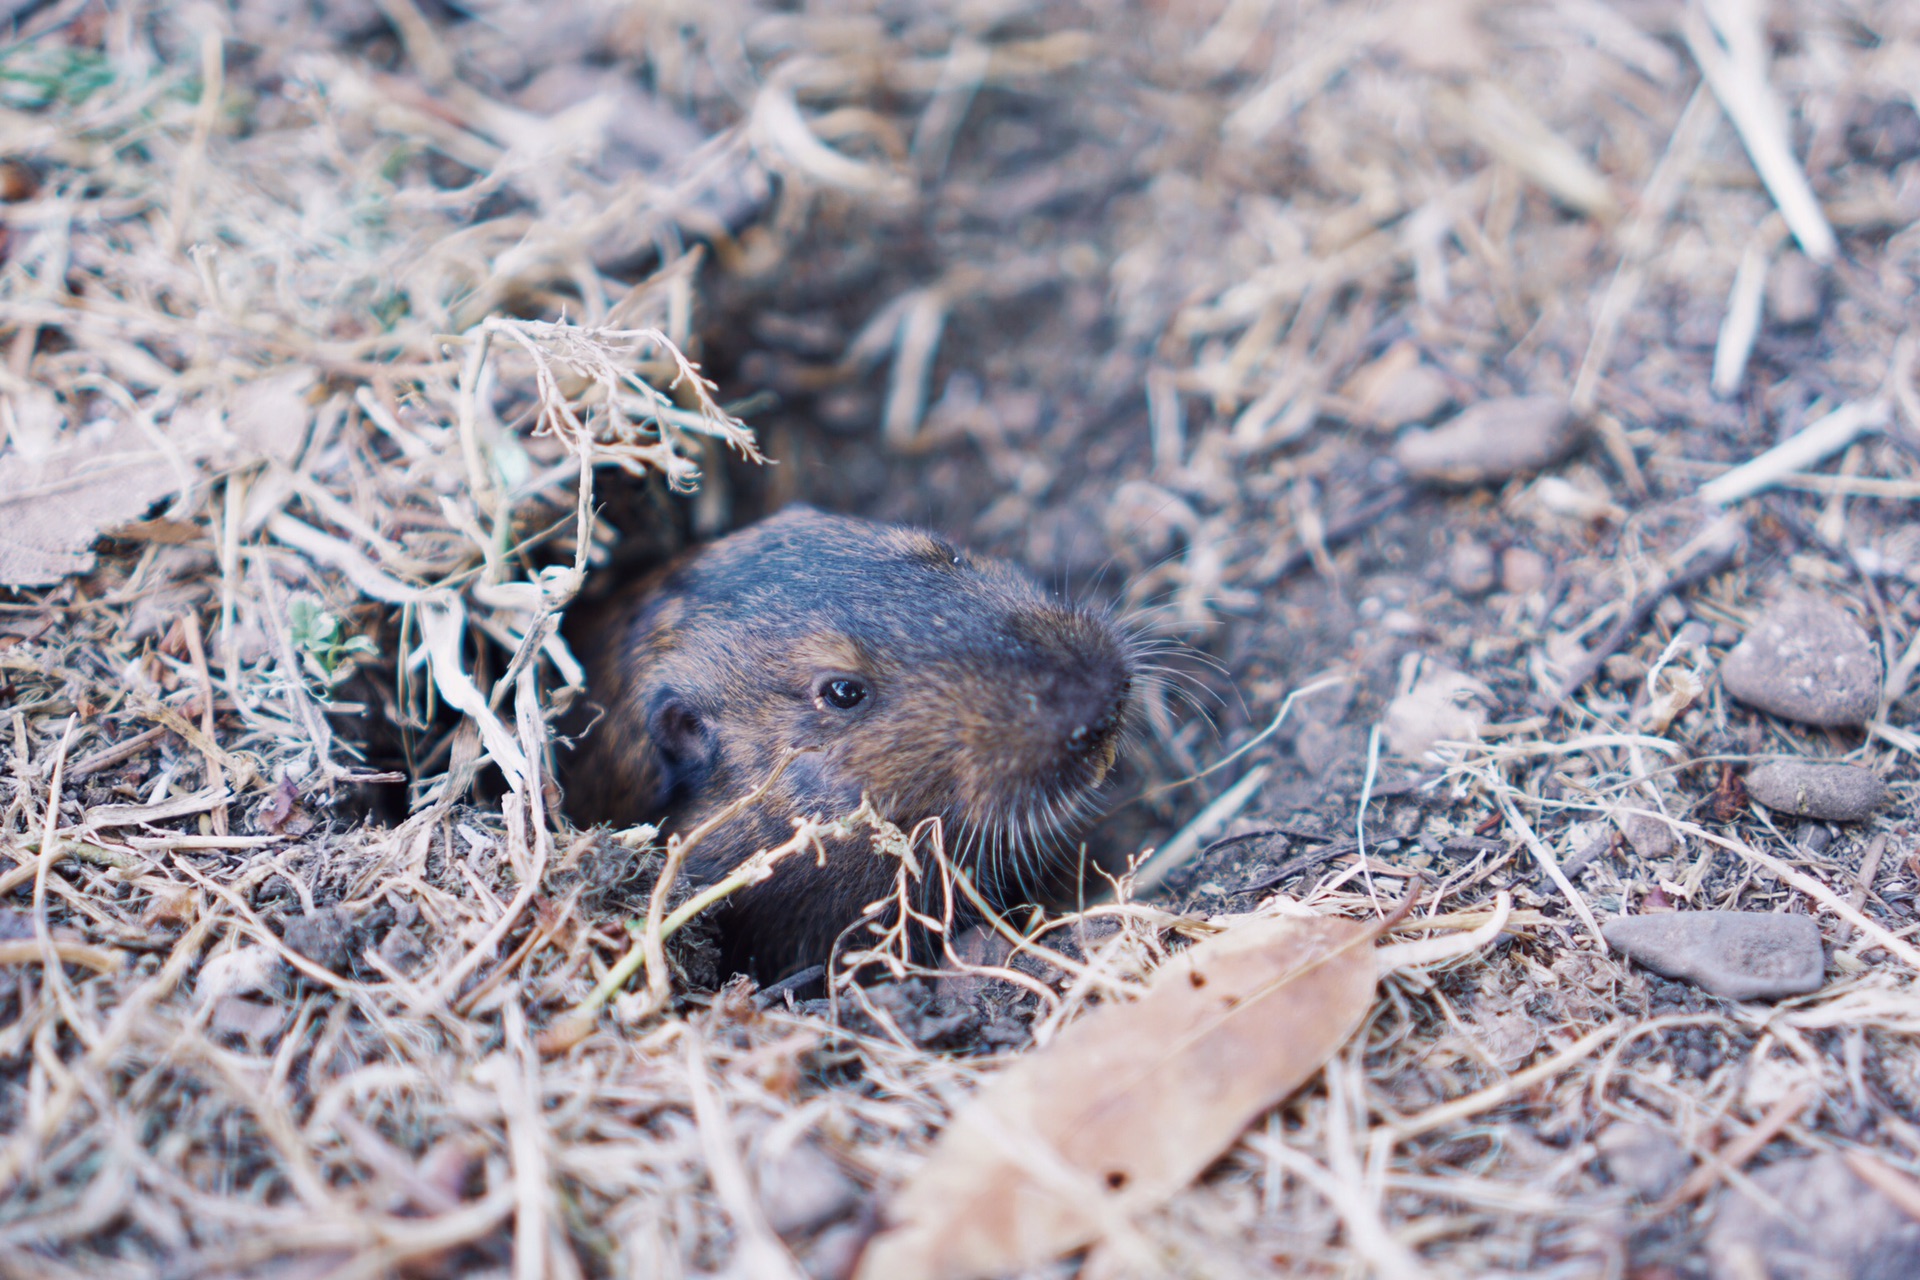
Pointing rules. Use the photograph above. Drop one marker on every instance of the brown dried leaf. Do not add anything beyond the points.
(1131, 1103)
(54, 504)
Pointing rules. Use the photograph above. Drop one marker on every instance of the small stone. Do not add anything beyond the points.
(401, 949)
(324, 937)
(1321, 746)
(1524, 571)
(1806, 660)
(1490, 441)
(1443, 706)
(1814, 837)
(1560, 498)
(836, 1251)
(1644, 1158)
(1625, 668)
(1587, 842)
(1795, 290)
(802, 1189)
(1470, 567)
(1834, 792)
(1837, 1225)
(1652, 838)
(1396, 390)
(1742, 955)
(250, 1020)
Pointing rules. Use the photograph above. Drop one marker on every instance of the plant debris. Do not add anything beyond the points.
(348, 344)
(1130, 1102)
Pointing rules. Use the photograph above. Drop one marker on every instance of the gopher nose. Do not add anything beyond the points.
(1096, 710)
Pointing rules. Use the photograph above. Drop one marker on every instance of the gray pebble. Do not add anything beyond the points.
(1796, 289)
(1644, 1158)
(324, 937)
(836, 1250)
(1806, 660)
(1742, 955)
(1837, 1227)
(1835, 792)
(251, 1020)
(1396, 390)
(1490, 441)
(802, 1189)
(15, 926)
(1524, 570)
(1470, 567)
(1652, 838)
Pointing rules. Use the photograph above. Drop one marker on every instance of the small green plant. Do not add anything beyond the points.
(317, 635)
(35, 76)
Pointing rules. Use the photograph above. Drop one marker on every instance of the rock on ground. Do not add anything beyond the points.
(1644, 1158)
(1832, 792)
(802, 1189)
(1796, 291)
(1742, 955)
(1396, 390)
(1652, 838)
(1839, 1228)
(1444, 706)
(1490, 441)
(1470, 567)
(1806, 660)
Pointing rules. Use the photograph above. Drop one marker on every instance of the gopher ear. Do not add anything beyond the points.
(682, 743)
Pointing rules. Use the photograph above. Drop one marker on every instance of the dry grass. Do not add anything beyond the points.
(367, 314)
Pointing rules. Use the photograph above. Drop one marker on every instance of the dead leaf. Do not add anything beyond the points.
(1131, 1103)
(172, 533)
(53, 504)
(182, 806)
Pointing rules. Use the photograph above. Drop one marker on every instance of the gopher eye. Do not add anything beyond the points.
(841, 692)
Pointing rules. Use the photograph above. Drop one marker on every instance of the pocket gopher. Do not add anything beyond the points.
(934, 682)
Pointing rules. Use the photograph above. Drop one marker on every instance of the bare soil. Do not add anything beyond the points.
(1143, 297)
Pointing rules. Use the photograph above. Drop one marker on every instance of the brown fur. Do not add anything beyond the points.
(987, 704)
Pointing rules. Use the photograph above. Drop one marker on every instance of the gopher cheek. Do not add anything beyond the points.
(814, 786)
(1101, 762)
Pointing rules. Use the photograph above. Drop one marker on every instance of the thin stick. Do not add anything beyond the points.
(1806, 884)
(1705, 554)
(1728, 39)
(1814, 443)
(758, 1251)
(1187, 842)
(1544, 856)
(1736, 1153)
(649, 950)
(206, 114)
(21, 951)
(1742, 323)
(197, 651)
(1518, 1083)
(1887, 1180)
(115, 754)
